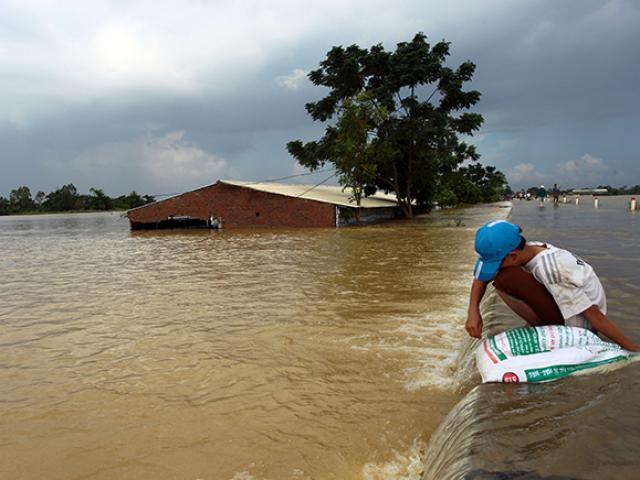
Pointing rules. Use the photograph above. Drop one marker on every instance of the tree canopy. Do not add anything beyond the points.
(395, 120)
(472, 184)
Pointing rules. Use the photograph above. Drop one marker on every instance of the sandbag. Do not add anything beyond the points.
(542, 354)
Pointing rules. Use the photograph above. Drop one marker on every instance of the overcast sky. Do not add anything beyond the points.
(161, 97)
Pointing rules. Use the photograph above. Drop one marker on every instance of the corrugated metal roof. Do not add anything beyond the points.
(322, 193)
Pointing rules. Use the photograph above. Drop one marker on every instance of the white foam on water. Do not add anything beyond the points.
(436, 361)
(439, 336)
(432, 342)
(244, 475)
(296, 473)
(403, 466)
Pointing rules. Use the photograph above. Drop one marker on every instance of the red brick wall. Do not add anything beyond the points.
(239, 208)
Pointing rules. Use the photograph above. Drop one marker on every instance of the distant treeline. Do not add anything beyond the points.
(624, 190)
(67, 199)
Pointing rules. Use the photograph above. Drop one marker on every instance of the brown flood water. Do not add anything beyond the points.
(276, 354)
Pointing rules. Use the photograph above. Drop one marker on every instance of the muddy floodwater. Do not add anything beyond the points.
(275, 354)
(292, 354)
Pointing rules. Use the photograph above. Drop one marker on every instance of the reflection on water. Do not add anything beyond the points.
(272, 354)
(581, 427)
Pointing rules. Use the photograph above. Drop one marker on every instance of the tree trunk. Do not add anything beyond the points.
(409, 179)
(396, 185)
(408, 196)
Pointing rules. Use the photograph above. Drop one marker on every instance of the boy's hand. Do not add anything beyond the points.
(474, 319)
(474, 323)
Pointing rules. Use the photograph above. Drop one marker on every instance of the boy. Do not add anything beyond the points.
(543, 284)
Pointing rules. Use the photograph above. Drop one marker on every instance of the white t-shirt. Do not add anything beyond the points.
(570, 280)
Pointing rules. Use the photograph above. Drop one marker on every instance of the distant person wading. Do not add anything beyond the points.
(542, 195)
(555, 193)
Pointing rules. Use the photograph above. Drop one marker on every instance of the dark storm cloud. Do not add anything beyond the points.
(554, 76)
(241, 128)
(562, 61)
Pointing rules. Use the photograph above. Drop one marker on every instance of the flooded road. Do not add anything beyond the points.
(581, 427)
(276, 354)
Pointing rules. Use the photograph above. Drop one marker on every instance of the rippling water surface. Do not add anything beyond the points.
(273, 354)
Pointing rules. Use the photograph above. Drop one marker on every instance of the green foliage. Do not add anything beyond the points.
(133, 200)
(472, 184)
(4, 206)
(533, 191)
(490, 181)
(66, 198)
(455, 188)
(624, 190)
(20, 200)
(349, 145)
(100, 201)
(408, 103)
(63, 199)
(354, 149)
(446, 197)
(508, 192)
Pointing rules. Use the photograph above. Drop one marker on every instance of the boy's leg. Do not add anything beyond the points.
(523, 310)
(527, 297)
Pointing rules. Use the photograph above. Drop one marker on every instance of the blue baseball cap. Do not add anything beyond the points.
(494, 240)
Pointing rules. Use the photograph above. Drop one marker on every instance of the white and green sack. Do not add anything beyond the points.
(541, 354)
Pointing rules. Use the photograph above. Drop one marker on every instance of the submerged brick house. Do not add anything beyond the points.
(234, 204)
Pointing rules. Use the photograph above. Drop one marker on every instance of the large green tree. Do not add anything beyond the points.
(20, 200)
(414, 124)
(63, 199)
(471, 184)
(349, 145)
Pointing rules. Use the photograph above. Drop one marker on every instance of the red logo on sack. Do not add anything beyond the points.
(510, 377)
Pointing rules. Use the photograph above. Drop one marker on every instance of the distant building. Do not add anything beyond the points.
(233, 204)
(589, 191)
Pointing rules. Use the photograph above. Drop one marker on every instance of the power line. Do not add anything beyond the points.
(325, 180)
(290, 176)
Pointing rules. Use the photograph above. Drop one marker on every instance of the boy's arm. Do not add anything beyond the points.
(474, 319)
(600, 322)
